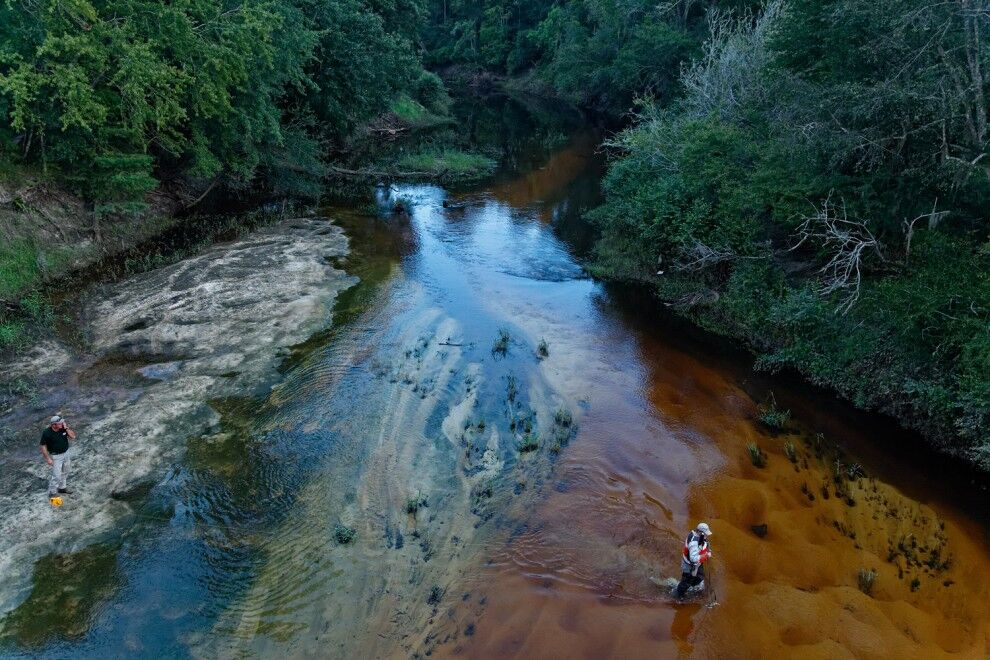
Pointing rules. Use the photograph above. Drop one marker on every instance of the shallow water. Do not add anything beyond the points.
(404, 423)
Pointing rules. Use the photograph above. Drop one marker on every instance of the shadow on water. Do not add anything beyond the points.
(868, 437)
(376, 245)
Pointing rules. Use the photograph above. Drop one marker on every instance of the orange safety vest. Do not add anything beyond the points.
(702, 547)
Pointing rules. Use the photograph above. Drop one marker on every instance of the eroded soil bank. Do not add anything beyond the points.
(485, 454)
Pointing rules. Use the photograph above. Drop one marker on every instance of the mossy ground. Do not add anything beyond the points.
(448, 163)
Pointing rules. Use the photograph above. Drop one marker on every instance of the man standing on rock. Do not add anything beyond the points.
(55, 448)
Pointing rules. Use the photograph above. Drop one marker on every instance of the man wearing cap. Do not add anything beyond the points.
(696, 552)
(55, 448)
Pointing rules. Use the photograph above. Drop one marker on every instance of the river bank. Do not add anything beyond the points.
(447, 439)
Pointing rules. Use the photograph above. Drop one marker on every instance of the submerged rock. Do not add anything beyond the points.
(202, 329)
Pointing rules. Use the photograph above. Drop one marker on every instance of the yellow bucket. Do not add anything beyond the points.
(55, 500)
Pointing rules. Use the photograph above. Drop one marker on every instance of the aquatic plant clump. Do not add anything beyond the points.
(436, 595)
(511, 389)
(343, 534)
(866, 579)
(756, 455)
(530, 442)
(501, 345)
(415, 503)
(772, 415)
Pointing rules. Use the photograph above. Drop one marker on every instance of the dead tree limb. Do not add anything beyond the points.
(934, 217)
(380, 174)
(847, 242)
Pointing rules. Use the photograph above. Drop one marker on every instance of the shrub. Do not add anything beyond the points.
(543, 349)
(11, 334)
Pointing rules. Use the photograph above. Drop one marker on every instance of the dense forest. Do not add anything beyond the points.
(810, 177)
(118, 96)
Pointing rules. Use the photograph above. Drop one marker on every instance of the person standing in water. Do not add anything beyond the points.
(696, 552)
(55, 448)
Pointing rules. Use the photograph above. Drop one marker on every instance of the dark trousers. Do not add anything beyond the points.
(688, 580)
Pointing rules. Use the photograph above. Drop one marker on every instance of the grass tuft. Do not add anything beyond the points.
(772, 415)
(448, 164)
(415, 113)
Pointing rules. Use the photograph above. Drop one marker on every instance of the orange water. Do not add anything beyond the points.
(575, 582)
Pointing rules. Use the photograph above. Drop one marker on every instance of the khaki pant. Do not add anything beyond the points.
(60, 472)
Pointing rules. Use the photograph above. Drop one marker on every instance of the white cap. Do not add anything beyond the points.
(704, 529)
(56, 419)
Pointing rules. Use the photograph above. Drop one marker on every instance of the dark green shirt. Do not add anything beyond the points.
(57, 442)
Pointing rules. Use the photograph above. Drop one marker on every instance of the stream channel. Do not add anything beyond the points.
(378, 373)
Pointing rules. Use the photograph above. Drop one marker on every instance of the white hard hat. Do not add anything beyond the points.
(704, 529)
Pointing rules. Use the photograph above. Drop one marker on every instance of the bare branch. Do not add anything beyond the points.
(934, 217)
(700, 257)
(848, 241)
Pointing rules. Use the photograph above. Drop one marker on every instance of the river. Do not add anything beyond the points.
(506, 500)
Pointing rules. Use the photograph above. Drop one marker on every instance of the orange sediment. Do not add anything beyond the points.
(574, 582)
